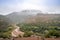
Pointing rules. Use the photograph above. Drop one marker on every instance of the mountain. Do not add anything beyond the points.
(19, 17)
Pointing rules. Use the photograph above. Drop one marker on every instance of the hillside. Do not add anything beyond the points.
(43, 18)
(5, 27)
(46, 25)
(4, 22)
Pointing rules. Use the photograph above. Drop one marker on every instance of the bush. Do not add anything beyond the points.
(6, 33)
(52, 33)
(28, 34)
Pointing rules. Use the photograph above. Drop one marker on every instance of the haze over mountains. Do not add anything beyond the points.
(30, 15)
(17, 17)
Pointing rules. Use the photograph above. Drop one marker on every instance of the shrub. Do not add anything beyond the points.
(28, 34)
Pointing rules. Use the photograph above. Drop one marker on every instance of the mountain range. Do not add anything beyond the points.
(29, 16)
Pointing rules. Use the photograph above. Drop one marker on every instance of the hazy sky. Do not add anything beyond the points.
(8, 6)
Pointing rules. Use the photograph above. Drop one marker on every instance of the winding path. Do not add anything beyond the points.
(16, 32)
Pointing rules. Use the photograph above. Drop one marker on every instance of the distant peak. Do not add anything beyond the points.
(31, 10)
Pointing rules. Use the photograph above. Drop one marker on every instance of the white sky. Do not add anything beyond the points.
(7, 7)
